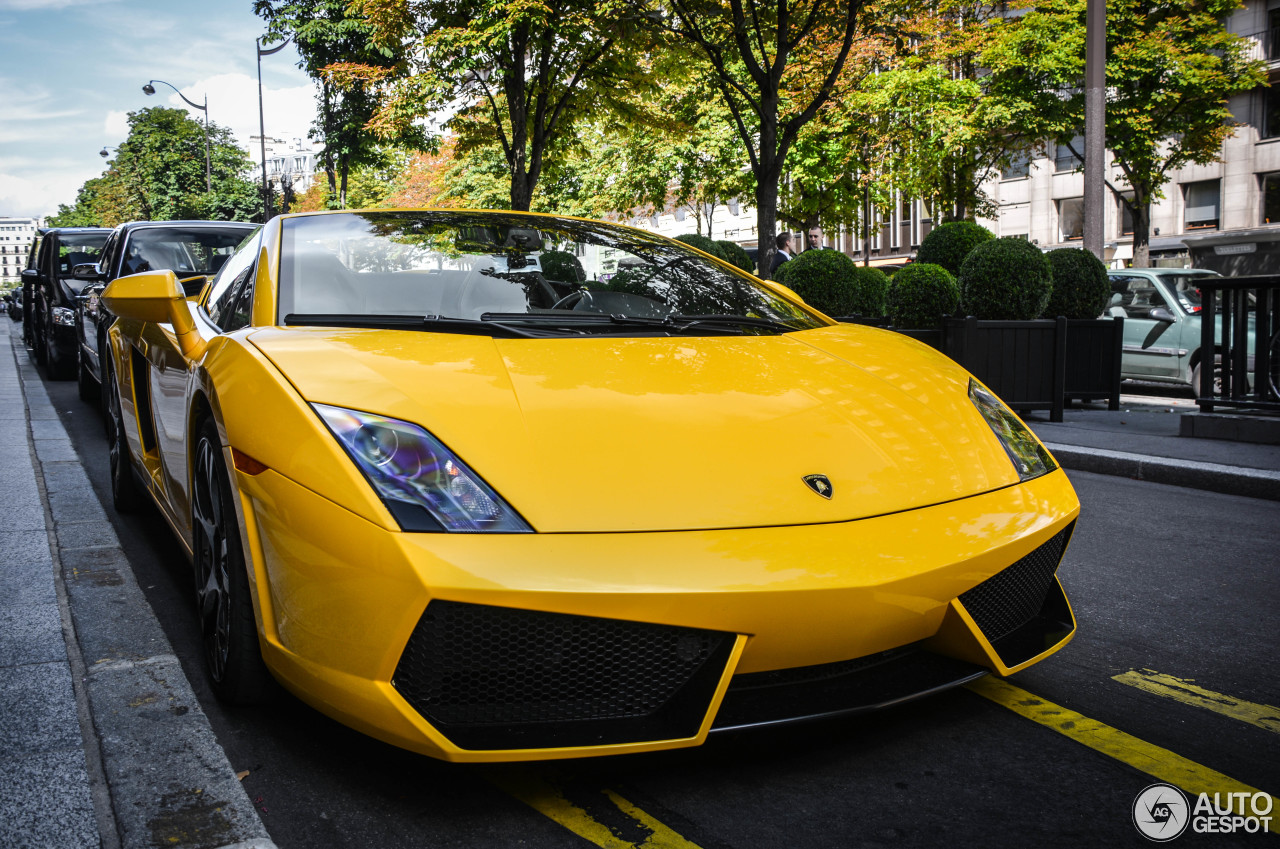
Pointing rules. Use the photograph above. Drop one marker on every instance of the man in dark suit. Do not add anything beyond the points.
(783, 243)
(815, 241)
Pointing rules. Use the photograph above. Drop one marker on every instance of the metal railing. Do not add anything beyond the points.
(1247, 370)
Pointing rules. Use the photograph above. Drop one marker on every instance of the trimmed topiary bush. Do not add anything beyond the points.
(1005, 279)
(948, 244)
(562, 267)
(735, 254)
(1080, 285)
(920, 295)
(702, 243)
(828, 281)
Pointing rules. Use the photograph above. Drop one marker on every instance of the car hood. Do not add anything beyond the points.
(641, 434)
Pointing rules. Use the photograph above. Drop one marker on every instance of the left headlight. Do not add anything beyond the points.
(1030, 459)
(424, 485)
(63, 316)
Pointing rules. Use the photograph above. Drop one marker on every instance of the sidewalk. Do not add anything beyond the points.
(102, 740)
(1142, 441)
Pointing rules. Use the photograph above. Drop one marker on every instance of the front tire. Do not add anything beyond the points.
(125, 494)
(233, 658)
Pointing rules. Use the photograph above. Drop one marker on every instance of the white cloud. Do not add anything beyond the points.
(116, 126)
(233, 103)
(33, 198)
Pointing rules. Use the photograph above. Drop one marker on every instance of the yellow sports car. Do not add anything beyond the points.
(501, 486)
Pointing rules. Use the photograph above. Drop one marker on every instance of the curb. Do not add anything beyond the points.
(168, 781)
(1215, 477)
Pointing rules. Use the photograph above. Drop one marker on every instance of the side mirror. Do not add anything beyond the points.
(1161, 314)
(156, 297)
(89, 272)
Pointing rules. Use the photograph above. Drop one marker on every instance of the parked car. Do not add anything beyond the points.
(51, 291)
(193, 250)
(1161, 307)
(460, 492)
(14, 300)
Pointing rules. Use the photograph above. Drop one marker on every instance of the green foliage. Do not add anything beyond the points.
(1080, 285)
(948, 244)
(734, 254)
(159, 174)
(562, 267)
(1006, 279)
(1172, 68)
(829, 281)
(702, 243)
(920, 295)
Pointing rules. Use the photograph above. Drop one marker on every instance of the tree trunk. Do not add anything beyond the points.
(1141, 229)
(766, 221)
(342, 197)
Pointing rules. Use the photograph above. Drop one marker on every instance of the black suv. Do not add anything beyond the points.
(49, 294)
(193, 250)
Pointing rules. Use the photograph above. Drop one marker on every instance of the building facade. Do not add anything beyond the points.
(16, 237)
(291, 162)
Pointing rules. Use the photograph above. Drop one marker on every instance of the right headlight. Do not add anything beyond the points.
(424, 484)
(1030, 459)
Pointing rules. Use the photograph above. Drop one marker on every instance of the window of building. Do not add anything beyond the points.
(1064, 159)
(1271, 199)
(1202, 200)
(1070, 219)
(1273, 34)
(1018, 168)
(1270, 123)
(1126, 216)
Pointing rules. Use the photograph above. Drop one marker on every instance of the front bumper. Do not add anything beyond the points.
(515, 647)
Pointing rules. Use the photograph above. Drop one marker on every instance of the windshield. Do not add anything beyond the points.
(186, 251)
(514, 269)
(78, 249)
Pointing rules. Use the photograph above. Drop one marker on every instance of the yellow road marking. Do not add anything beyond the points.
(1151, 759)
(548, 800)
(1182, 690)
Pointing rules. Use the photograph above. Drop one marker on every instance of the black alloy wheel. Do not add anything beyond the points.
(125, 494)
(228, 629)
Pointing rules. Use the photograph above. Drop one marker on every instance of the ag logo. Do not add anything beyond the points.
(1161, 812)
(819, 484)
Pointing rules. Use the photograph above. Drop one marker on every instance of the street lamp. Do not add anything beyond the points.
(262, 125)
(105, 152)
(150, 89)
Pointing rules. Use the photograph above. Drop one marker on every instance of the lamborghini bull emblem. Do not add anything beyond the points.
(819, 484)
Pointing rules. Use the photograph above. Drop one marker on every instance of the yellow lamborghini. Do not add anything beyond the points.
(501, 486)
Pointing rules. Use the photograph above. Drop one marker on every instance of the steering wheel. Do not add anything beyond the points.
(569, 300)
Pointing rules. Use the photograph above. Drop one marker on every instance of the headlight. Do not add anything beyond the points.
(422, 483)
(1029, 457)
(63, 316)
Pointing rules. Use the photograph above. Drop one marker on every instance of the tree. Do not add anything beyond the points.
(1171, 67)
(158, 173)
(775, 63)
(328, 32)
(523, 72)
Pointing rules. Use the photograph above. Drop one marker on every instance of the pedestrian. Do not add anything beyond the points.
(783, 243)
(815, 241)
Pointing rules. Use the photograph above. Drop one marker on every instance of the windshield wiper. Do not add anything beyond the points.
(429, 323)
(740, 320)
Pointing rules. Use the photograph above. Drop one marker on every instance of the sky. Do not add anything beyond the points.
(72, 70)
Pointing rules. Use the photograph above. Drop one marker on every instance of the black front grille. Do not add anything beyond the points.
(499, 678)
(1009, 599)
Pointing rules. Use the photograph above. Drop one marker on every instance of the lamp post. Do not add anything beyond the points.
(150, 89)
(262, 125)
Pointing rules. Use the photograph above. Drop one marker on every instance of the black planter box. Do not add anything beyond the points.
(1024, 362)
(1094, 348)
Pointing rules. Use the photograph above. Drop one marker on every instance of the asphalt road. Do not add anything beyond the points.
(1173, 581)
